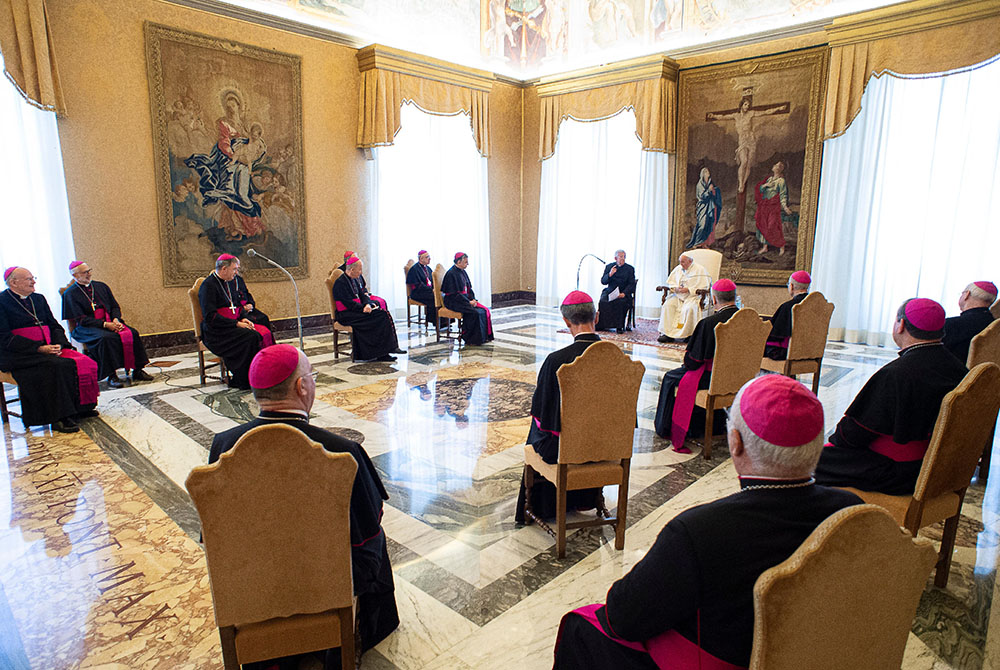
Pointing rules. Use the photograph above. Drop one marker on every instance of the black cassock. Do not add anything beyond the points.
(880, 443)
(374, 333)
(238, 287)
(612, 312)
(83, 304)
(959, 330)
(700, 352)
(543, 435)
(697, 581)
(457, 294)
(377, 615)
(421, 284)
(236, 345)
(48, 385)
(781, 329)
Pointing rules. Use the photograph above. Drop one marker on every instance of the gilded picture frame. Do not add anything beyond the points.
(752, 125)
(228, 155)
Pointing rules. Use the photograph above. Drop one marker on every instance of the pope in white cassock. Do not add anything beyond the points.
(682, 310)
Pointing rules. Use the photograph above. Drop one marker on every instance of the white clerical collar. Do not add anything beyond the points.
(22, 297)
(81, 283)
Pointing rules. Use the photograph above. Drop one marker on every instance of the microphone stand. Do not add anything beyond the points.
(298, 312)
(580, 264)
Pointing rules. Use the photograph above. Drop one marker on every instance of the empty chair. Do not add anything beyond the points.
(197, 316)
(810, 324)
(338, 328)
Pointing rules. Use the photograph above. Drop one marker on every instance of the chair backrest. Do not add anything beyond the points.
(709, 259)
(739, 346)
(598, 426)
(406, 273)
(334, 274)
(807, 609)
(196, 314)
(69, 322)
(275, 522)
(964, 423)
(985, 347)
(438, 278)
(810, 325)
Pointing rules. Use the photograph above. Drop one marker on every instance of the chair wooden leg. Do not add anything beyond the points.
(528, 475)
(227, 635)
(709, 426)
(201, 366)
(561, 512)
(622, 506)
(336, 345)
(816, 379)
(437, 327)
(353, 348)
(984, 460)
(409, 315)
(346, 637)
(947, 549)
(4, 415)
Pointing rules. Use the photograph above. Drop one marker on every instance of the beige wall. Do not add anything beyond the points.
(531, 188)
(505, 187)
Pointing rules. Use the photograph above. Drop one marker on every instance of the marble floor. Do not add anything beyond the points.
(100, 567)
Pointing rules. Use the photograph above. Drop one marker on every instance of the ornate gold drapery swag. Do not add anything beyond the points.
(28, 56)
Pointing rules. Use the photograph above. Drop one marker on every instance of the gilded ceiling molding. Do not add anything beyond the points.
(923, 37)
(655, 66)
(378, 56)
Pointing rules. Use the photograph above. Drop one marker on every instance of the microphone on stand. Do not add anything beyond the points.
(298, 312)
(580, 264)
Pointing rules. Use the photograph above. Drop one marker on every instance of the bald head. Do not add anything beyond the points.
(21, 281)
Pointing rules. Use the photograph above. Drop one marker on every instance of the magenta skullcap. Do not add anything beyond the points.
(348, 254)
(352, 260)
(724, 286)
(987, 286)
(75, 264)
(226, 257)
(925, 314)
(577, 298)
(781, 411)
(802, 277)
(459, 254)
(9, 271)
(421, 253)
(272, 365)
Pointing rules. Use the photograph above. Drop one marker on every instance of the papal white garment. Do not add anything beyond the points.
(680, 314)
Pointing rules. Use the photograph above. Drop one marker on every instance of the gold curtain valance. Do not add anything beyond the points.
(646, 85)
(921, 37)
(390, 77)
(28, 57)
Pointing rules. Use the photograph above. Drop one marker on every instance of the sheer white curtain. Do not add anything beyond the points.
(428, 191)
(34, 225)
(602, 192)
(910, 199)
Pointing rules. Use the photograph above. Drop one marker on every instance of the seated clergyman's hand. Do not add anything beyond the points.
(249, 307)
(243, 323)
(368, 309)
(50, 349)
(474, 303)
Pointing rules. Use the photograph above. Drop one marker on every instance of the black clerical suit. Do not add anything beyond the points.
(420, 281)
(243, 298)
(611, 313)
(48, 385)
(543, 434)
(90, 307)
(697, 579)
(699, 354)
(457, 294)
(370, 568)
(781, 329)
(880, 443)
(220, 311)
(959, 330)
(374, 332)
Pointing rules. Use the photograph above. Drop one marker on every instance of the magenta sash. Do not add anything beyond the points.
(687, 389)
(264, 333)
(86, 368)
(669, 650)
(125, 335)
(489, 320)
(901, 453)
(381, 303)
(341, 307)
(544, 430)
(227, 313)
(783, 343)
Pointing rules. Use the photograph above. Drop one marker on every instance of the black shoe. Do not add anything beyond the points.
(663, 339)
(386, 359)
(114, 381)
(66, 425)
(89, 414)
(397, 350)
(141, 376)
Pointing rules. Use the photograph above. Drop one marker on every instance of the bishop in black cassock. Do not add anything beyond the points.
(56, 383)
(420, 282)
(975, 304)
(382, 304)
(546, 424)
(880, 443)
(289, 402)
(226, 328)
(675, 412)
(688, 604)
(457, 295)
(618, 276)
(374, 334)
(110, 341)
(781, 321)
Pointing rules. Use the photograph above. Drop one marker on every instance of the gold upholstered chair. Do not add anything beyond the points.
(985, 348)
(807, 608)
(966, 416)
(5, 411)
(411, 302)
(739, 346)
(280, 578)
(442, 311)
(338, 328)
(595, 445)
(810, 324)
(197, 317)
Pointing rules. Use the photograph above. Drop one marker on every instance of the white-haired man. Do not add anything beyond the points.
(619, 285)
(682, 310)
(975, 304)
(781, 321)
(688, 604)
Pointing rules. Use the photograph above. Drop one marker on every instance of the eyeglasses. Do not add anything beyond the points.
(314, 374)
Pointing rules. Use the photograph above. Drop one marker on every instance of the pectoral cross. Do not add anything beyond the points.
(93, 307)
(232, 308)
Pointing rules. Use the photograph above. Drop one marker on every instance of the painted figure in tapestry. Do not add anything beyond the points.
(707, 210)
(771, 195)
(743, 118)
